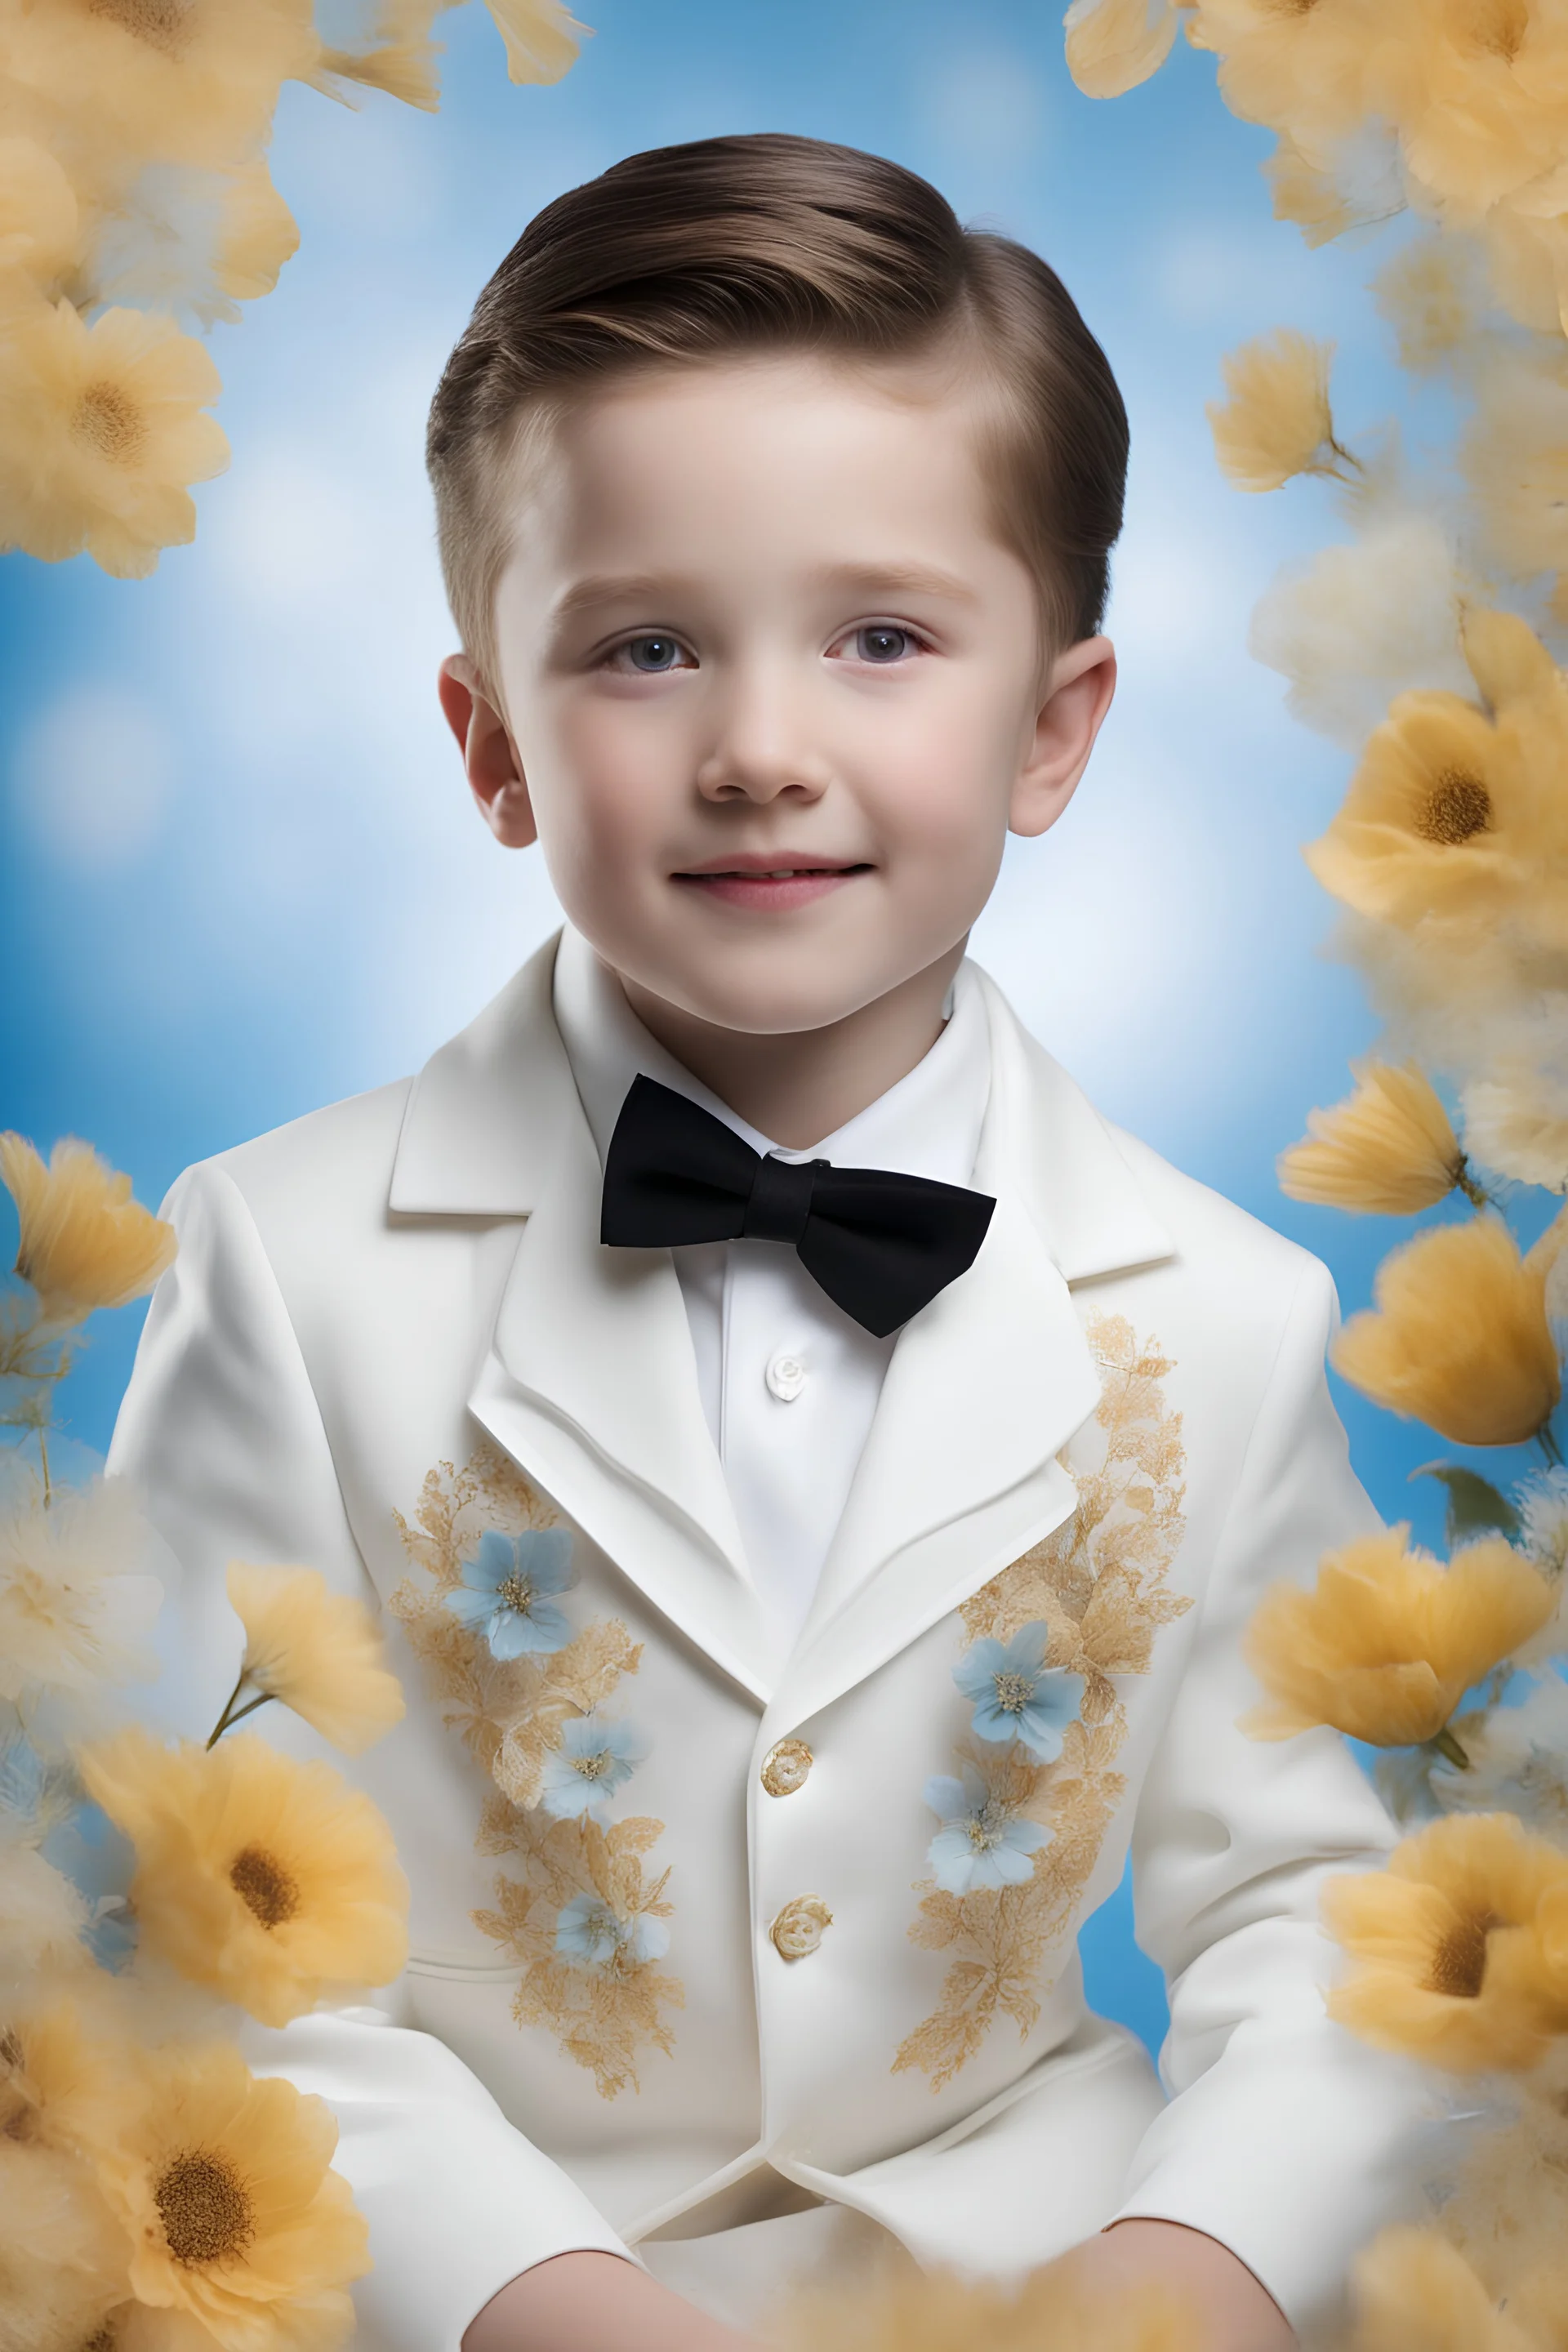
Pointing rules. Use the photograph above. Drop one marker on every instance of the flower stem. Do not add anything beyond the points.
(232, 1714)
(1448, 1746)
(44, 1458)
(1549, 1446)
(1476, 1194)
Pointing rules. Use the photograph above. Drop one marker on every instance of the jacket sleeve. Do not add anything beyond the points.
(1285, 2138)
(220, 1433)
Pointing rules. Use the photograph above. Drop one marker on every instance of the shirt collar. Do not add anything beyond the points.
(928, 1124)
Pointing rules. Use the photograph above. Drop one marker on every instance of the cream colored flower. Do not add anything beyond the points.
(85, 1242)
(542, 37)
(1319, 73)
(1458, 1338)
(318, 1651)
(43, 1916)
(1114, 45)
(194, 243)
(63, 2260)
(1355, 182)
(402, 58)
(1527, 266)
(267, 1880)
(223, 2185)
(40, 226)
(1412, 2292)
(1503, 2210)
(1386, 1643)
(1450, 1945)
(1388, 1148)
(1358, 623)
(1544, 1522)
(1514, 455)
(76, 1609)
(101, 433)
(1431, 295)
(1055, 2309)
(1516, 1120)
(194, 82)
(1277, 421)
(1517, 1761)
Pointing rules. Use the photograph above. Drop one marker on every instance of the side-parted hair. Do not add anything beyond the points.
(728, 247)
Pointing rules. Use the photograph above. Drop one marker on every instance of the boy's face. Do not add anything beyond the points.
(774, 691)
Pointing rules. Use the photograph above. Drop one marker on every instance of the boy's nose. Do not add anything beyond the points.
(757, 751)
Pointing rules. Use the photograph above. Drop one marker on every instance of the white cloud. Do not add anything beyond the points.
(93, 776)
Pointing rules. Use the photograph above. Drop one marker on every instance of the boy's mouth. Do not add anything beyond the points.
(768, 882)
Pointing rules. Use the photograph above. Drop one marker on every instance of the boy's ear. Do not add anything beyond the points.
(489, 756)
(1078, 695)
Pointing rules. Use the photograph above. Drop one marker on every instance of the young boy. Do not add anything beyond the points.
(818, 1475)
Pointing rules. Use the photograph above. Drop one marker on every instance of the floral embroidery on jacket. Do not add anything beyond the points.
(1054, 1627)
(523, 1688)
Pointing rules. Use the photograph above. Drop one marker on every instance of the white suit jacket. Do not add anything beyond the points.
(392, 1329)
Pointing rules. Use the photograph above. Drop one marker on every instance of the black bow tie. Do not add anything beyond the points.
(881, 1245)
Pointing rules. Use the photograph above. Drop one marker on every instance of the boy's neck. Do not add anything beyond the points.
(804, 1084)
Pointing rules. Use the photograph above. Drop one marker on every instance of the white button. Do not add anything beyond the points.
(785, 1375)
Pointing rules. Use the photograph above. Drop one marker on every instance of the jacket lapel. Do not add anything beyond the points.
(590, 1382)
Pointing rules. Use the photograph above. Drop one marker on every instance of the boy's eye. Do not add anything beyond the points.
(650, 654)
(880, 641)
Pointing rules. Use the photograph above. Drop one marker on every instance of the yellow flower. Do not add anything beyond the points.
(1053, 2310)
(53, 2064)
(318, 1651)
(260, 235)
(542, 37)
(40, 229)
(1514, 455)
(186, 241)
(224, 2187)
(1412, 2292)
(62, 2258)
(402, 59)
(1319, 72)
(1387, 1641)
(1446, 1946)
(194, 82)
(76, 1609)
(1482, 104)
(1458, 1338)
(1516, 1120)
(102, 431)
(1278, 421)
(1389, 1147)
(266, 1879)
(1114, 45)
(85, 1242)
(1430, 296)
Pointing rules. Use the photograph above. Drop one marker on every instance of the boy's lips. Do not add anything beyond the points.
(768, 882)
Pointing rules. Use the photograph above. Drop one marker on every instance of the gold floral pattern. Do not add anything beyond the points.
(584, 1919)
(1098, 1582)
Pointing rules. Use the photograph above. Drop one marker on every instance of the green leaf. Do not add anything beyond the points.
(1475, 1505)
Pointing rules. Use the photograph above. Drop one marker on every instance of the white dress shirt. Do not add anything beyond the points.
(789, 1383)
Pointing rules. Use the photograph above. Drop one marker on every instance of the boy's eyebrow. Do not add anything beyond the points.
(615, 588)
(911, 579)
(861, 579)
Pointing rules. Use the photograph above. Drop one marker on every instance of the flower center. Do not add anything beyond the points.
(983, 1835)
(517, 1592)
(1459, 1963)
(263, 1885)
(204, 2206)
(595, 1766)
(1014, 1692)
(1498, 28)
(109, 421)
(1457, 807)
(160, 23)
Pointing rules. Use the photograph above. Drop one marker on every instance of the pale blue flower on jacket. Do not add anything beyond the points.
(1017, 1695)
(589, 1931)
(591, 1761)
(507, 1589)
(979, 1842)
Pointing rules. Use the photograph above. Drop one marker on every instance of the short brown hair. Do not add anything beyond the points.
(729, 247)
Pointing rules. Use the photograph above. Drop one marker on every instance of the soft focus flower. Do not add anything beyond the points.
(85, 1242)
(1430, 295)
(264, 1878)
(590, 1931)
(505, 1594)
(592, 1762)
(1390, 1147)
(540, 36)
(1517, 1761)
(194, 243)
(402, 60)
(1017, 1695)
(1356, 625)
(75, 1610)
(1527, 264)
(318, 1651)
(53, 2065)
(62, 2258)
(224, 2187)
(43, 1916)
(1277, 421)
(1318, 72)
(1502, 2208)
(40, 227)
(1542, 1505)
(195, 83)
(1514, 455)
(1054, 2309)
(101, 433)
(1446, 1946)
(1352, 183)
(980, 1842)
(1458, 1338)
(1412, 2292)
(1516, 1120)
(1447, 814)
(1114, 45)
(1388, 1642)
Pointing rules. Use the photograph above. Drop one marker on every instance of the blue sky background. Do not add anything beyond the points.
(238, 872)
